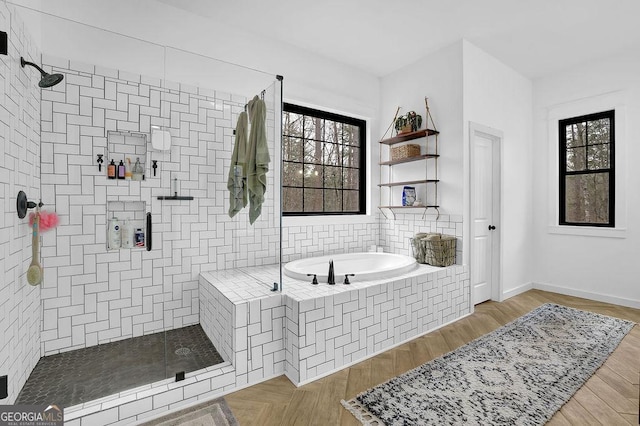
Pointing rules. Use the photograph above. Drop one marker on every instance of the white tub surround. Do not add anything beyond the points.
(326, 333)
(326, 327)
(363, 266)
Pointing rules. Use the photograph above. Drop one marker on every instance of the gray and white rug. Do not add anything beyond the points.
(519, 374)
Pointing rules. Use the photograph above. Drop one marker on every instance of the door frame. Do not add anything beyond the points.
(496, 242)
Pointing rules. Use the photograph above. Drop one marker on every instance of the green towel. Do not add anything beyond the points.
(237, 182)
(257, 157)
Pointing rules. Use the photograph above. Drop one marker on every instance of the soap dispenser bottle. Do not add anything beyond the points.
(111, 170)
(121, 170)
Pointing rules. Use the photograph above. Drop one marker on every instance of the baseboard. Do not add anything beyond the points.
(599, 297)
(516, 291)
(342, 367)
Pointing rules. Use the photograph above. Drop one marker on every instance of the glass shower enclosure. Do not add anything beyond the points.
(113, 317)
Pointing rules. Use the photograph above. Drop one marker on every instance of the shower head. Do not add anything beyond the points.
(47, 79)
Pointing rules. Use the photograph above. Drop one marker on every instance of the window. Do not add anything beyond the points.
(587, 173)
(323, 163)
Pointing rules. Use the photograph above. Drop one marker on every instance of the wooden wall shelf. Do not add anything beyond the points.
(429, 181)
(409, 136)
(409, 182)
(408, 159)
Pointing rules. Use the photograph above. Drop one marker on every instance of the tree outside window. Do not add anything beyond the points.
(323, 163)
(587, 173)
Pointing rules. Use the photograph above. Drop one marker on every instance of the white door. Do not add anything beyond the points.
(485, 202)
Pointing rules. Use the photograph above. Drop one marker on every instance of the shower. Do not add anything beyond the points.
(48, 80)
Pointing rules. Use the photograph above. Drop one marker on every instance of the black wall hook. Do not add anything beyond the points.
(100, 161)
(155, 166)
(22, 204)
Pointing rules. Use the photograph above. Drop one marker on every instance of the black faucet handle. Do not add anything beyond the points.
(346, 278)
(100, 161)
(314, 281)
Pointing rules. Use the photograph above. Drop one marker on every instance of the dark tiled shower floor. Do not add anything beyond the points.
(83, 375)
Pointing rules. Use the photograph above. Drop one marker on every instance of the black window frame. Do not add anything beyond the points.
(562, 124)
(362, 175)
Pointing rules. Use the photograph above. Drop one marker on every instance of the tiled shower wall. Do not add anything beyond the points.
(19, 170)
(91, 295)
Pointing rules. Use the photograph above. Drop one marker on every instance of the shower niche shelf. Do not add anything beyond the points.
(135, 212)
(122, 145)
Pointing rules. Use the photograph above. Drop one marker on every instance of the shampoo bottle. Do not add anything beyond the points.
(114, 236)
(127, 234)
(127, 169)
(139, 237)
(121, 170)
(111, 170)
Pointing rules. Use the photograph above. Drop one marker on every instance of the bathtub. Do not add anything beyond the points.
(365, 266)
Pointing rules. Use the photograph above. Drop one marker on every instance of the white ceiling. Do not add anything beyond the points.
(381, 36)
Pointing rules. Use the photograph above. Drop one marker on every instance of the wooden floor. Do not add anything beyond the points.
(610, 397)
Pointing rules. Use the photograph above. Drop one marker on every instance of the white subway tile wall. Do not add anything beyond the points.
(20, 311)
(395, 234)
(317, 240)
(91, 295)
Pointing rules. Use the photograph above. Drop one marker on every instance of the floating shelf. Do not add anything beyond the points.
(424, 208)
(408, 207)
(409, 136)
(408, 159)
(409, 182)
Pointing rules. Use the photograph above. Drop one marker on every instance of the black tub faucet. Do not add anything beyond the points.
(331, 279)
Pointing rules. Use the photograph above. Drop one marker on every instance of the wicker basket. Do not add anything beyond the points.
(405, 151)
(434, 249)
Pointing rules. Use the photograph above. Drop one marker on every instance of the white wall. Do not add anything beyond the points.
(496, 96)
(153, 22)
(602, 266)
(439, 77)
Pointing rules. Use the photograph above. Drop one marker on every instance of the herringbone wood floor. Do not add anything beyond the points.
(610, 397)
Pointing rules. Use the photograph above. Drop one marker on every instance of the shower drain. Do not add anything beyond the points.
(183, 351)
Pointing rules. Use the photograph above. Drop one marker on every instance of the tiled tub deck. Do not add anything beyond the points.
(305, 332)
(309, 331)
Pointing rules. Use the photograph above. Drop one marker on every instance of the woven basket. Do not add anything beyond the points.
(434, 249)
(405, 151)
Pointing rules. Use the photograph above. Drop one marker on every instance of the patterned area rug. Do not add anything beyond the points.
(212, 413)
(519, 374)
